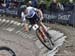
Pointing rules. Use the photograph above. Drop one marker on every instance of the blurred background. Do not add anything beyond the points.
(55, 11)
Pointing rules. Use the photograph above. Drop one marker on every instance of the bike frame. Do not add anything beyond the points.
(42, 28)
(43, 35)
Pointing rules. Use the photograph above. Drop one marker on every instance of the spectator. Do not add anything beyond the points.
(53, 6)
(60, 6)
(35, 3)
(4, 5)
(0, 5)
(1, 2)
(42, 6)
(29, 3)
(69, 6)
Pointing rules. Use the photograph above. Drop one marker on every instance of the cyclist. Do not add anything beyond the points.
(33, 15)
(30, 13)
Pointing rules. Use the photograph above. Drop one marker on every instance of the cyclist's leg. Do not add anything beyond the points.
(36, 20)
(25, 22)
(44, 27)
(42, 33)
(30, 23)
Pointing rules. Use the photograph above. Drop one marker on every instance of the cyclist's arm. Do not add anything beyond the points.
(40, 13)
(23, 16)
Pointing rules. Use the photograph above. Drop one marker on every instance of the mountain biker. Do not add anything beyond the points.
(30, 13)
(34, 16)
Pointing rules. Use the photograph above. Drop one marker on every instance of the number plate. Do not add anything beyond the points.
(35, 27)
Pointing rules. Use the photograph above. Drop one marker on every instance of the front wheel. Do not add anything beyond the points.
(5, 51)
(48, 42)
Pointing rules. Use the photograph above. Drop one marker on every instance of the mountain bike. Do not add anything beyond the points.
(40, 32)
(10, 51)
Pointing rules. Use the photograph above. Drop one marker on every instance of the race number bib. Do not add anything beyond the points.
(35, 27)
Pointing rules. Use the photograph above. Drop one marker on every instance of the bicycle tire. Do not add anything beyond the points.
(49, 48)
(8, 49)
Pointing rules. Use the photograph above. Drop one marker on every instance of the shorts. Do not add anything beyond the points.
(35, 19)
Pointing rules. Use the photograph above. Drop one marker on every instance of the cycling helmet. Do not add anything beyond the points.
(23, 7)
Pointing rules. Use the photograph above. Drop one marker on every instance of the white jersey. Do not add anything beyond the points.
(23, 16)
(31, 11)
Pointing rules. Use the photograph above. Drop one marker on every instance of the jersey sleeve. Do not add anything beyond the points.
(35, 9)
(23, 17)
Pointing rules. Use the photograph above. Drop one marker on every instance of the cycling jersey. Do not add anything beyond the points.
(31, 11)
(30, 14)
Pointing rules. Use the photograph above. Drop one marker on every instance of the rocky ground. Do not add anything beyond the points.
(68, 48)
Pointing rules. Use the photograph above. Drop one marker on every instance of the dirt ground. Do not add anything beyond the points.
(68, 49)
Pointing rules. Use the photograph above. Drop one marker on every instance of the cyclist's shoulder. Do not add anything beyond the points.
(30, 7)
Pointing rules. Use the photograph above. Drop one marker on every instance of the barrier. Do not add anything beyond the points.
(2, 10)
(72, 20)
(65, 17)
(50, 17)
(10, 11)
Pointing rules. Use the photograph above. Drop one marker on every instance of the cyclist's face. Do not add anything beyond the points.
(54, 1)
(71, 1)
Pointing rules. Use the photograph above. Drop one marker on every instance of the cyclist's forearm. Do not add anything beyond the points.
(41, 14)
